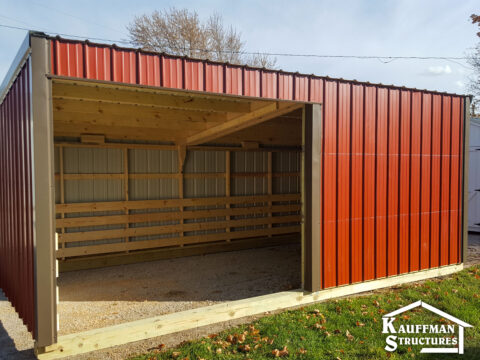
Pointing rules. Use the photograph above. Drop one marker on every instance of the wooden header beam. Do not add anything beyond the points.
(270, 111)
(129, 95)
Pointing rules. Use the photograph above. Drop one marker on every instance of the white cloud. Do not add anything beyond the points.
(460, 84)
(439, 70)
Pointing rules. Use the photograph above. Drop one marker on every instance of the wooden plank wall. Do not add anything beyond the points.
(232, 210)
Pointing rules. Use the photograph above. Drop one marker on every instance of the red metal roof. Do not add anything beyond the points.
(84, 59)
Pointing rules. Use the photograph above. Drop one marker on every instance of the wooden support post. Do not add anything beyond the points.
(269, 183)
(44, 195)
(311, 210)
(126, 187)
(182, 154)
(227, 185)
(62, 187)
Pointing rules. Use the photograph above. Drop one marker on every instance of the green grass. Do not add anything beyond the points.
(319, 331)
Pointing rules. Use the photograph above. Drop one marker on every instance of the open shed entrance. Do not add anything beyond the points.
(154, 179)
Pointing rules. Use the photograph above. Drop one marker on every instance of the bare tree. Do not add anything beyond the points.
(474, 61)
(181, 32)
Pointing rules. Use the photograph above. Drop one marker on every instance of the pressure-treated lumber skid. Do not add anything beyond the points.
(97, 339)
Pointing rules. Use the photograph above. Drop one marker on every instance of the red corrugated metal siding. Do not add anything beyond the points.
(391, 162)
(397, 153)
(16, 210)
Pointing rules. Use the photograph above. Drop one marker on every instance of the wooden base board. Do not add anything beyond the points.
(171, 323)
(170, 253)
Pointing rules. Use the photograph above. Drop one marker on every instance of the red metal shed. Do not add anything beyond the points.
(382, 183)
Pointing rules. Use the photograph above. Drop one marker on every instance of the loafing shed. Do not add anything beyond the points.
(114, 155)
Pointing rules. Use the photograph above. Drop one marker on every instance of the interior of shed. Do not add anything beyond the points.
(150, 180)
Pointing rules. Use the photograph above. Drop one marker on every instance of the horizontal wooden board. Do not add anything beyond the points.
(171, 203)
(147, 176)
(168, 229)
(150, 244)
(173, 215)
(98, 261)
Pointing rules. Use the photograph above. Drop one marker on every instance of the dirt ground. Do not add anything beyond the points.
(143, 293)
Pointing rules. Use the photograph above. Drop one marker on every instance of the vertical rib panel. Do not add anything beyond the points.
(381, 185)
(124, 66)
(214, 78)
(329, 191)
(301, 88)
(252, 82)
(233, 80)
(435, 180)
(369, 183)
(454, 192)
(285, 86)
(172, 72)
(415, 175)
(425, 183)
(16, 212)
(269, 84)
(357, 183)
(316, 90)
(69, 58)
(149, 69)
(404, 190)
(194, 75)
(445, 182)
(97, 62)
(393, 180)
(343, 191)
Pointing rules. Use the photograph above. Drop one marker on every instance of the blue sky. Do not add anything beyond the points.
(348, 27)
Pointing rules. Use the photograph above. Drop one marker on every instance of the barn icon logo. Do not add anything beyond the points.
(446, 339)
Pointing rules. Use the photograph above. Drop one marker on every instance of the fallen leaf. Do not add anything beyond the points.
(302, 351)
(376, 303)
(244, 348)
(359, 324)
(406, 317)
(280, 353)
(454, 291)
(349, 336)
(336, 331)
(218, 351)
(175, 354)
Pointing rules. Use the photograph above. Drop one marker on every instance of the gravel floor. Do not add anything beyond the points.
(249, 271)
(101, 297)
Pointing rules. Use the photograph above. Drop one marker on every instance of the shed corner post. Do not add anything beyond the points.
(311, 197)
(466, 150)
(45, 269)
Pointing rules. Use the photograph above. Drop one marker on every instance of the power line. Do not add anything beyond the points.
(76, 17)
(384, 59)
